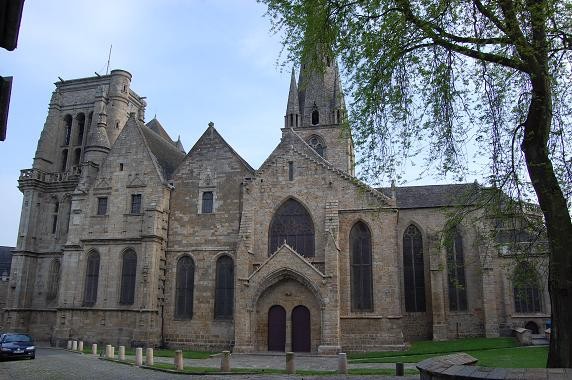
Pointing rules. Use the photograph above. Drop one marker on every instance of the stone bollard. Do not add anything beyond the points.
(74, 345)
(80, 346)
(342, 363)
(94, 348)
(112, 352)
(149, 357)
(139, 356)
(108, 351)
(290, 365)
(225, 361)
(69, 344)
(179, 363)
(399, 369)
(122, 353)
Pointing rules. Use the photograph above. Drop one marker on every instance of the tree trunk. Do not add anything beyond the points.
(556, 215)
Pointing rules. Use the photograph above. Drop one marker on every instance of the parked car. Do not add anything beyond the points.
(17, 345)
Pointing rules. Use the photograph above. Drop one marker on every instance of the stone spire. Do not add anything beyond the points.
(97, 145)
(179, 144)
(292, 118)
(321, 99)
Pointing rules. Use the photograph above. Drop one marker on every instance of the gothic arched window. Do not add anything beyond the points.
(68, 128)
(128, 275)
(224, 288)
(91, 279)
(413, 270)
(361, 271)
(456, 274)
(317, 143)
(53, 279)
(80, 128)
(315, 117)
(526, 290)
(185, 288)
(292, 224)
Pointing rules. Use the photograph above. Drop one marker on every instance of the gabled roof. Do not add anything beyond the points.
(461, 194)
(212, 133)
(156, 127)
(166, 157)
(301, 147)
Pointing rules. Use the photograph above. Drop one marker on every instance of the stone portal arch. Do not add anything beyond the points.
(286, 291)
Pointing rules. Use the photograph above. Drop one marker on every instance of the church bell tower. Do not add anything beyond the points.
(316, 111)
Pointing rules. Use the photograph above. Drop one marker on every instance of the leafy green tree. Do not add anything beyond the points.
(496, 72)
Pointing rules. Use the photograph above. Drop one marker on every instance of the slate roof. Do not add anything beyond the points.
(167, 154)
(156, 127)
(462, 194)
(5, 260)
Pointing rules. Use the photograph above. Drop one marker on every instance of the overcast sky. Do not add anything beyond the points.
(195, 60)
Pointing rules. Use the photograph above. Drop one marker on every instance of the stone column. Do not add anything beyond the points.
(74, 345)
(290, 365)
(80, 346)
(94, 348)
(436, 266)
(490, 286)
(149, 357)
(342, 363)
(122, 353)
(138, 356)
(225, 361)
(179, 363)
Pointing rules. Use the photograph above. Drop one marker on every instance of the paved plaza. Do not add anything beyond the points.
(61, 364)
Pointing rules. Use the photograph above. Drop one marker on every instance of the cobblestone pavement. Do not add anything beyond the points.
(60, 364)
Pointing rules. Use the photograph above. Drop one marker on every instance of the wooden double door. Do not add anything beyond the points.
(300, 329)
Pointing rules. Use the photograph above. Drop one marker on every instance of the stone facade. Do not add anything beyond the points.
(105, 186)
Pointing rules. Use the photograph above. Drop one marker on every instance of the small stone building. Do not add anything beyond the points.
(126, 239)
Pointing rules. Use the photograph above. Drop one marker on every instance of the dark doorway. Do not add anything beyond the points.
(533, 327)
(277, 328)
(301, 334)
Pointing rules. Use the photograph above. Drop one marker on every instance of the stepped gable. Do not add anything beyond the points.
(166, 155)
(300, 146)
(450, 195)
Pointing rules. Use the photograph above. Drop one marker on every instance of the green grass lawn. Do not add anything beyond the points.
(171, 353)
(491, 352)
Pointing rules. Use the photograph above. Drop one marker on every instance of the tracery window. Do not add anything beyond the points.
(413, 270)
(317, 143)
(293, 225)
(53, 279)
(128, 275)
(361, 269)
(526, 289)
(185, 288)
(91, 279)
(224, 288)
(456, 274)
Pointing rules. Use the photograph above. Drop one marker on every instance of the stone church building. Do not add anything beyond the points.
(126, 239)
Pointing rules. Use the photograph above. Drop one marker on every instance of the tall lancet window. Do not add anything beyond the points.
(315, 117)
(413, 270)
(361, 268)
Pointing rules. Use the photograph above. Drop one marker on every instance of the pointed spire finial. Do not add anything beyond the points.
(211, 124)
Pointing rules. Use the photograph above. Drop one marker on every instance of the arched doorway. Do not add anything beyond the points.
(277, 328)
(533, 327)
(301, 329)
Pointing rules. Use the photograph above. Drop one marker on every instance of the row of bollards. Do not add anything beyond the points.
(224, 361)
